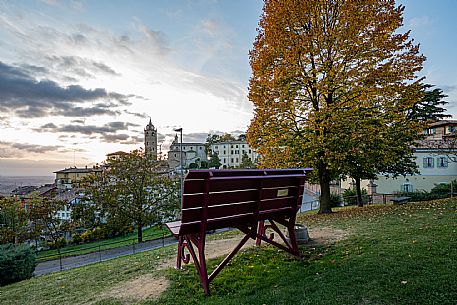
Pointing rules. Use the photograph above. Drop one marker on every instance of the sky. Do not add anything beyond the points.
(81, 79)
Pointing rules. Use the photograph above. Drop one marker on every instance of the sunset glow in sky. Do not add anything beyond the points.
(80, 79)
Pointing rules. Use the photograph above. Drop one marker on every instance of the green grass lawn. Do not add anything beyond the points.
(404, 254)
(72, 250)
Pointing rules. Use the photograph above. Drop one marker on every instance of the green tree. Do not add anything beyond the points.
(376, 145)
(13, 221)
(429, 108)
(226, 137)
(246, 162)
(314, 64)
(45, 221)
(210, 140)
(135, 188)
(214, 161)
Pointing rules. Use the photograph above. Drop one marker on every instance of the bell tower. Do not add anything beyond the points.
(150, 140)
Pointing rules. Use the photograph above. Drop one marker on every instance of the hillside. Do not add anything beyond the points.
(386, 254)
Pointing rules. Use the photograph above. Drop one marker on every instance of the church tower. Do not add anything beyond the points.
(150, 140)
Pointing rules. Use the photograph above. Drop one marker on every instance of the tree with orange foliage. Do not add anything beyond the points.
(317, 63)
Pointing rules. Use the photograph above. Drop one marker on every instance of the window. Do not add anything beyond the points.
(236, 146)
(200, 148)
(451, 129)
(406, 188)
(428, 162)
(232, 160)
(236, 160)
(191, 148)
(224, 146)
(224, 161)
(242, 146)
(215, 147)
(175, 155)
(430, 131)
(441, 162)
(249, 151)
(224, 152)
(231, 152)
(231, 146)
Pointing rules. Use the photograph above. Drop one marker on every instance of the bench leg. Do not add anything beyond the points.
(261, 232)
(182, 257)
(188, 242)
(291, 244)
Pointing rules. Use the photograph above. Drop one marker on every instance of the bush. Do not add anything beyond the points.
(98, 233)
(423, 195)
(350, 196)
(76, 239)
(59, 243)
(17, 263)
(444, 189)
(335, 200)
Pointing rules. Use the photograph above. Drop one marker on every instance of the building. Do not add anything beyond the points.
(116, 155)
(191, 153)
(436, 159)
(441, 131)
(150, 140)
(71, 197)
(230, 153)
(72, 177)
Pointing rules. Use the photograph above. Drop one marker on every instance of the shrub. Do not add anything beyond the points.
(443, 190)
(59, 243)
(335, 200)
(98, 233)
(423, 195)
(76, 239)
(86, 236)
(17, 263)
(350, 196)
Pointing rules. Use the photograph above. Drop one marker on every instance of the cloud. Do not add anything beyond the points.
(108, 133)
(14, 150)
(27, 97)
(419, 22)
(78, 66)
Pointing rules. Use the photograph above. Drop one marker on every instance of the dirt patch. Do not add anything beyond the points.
(326, 235)
(140, 288)
(148, 286)
(213, 249)
(222, 247)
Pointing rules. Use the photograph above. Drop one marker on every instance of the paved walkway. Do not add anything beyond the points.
(95, 257)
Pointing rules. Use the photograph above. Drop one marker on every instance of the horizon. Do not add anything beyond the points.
(82, 79)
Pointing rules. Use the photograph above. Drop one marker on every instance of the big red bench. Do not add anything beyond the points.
(242, 199)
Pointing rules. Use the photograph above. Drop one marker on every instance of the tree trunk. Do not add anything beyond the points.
(324, 181)
(359, 192)
(140, 232)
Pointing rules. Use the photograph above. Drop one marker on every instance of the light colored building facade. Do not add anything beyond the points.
(434, 167)
(436, 159)
(191, 153)
(69, 178)
(230, 153)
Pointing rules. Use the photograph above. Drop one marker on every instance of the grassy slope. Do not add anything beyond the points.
(395, 255)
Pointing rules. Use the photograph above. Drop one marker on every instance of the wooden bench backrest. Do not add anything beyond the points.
(215, 199)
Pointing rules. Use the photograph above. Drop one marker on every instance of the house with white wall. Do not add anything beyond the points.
(436, 159)
(230, 153)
